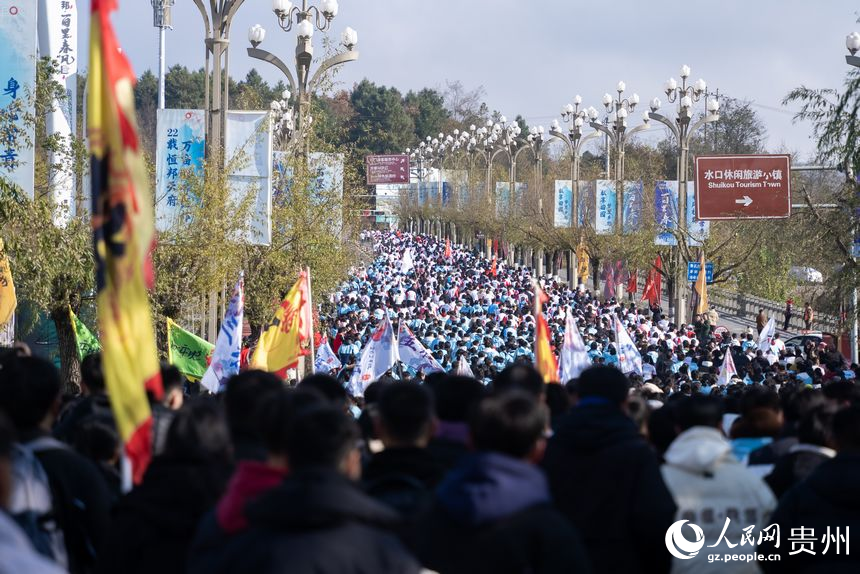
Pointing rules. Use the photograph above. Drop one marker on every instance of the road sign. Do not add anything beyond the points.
(382, 169)
(743, 187)
(693, 269)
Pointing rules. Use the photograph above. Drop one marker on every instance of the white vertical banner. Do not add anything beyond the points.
(17, 93)
(248, 148)
(326, 169)
(180, 144)
(58, 40)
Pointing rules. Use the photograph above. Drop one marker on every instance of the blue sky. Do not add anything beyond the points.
(533, 57)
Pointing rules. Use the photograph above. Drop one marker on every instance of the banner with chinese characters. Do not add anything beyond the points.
(248, 149)
(180, 144)
(587, 202)
(606, 207)
(563, 203)
(666, 215)
(632, 220)
(17, 87)
(520, 191)
(58, 39)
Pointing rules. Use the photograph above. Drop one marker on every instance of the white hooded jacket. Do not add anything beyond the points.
(708, 485)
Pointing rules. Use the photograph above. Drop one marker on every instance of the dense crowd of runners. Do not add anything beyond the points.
(679, 466)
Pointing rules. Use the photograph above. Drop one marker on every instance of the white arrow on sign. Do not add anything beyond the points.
(745, 200)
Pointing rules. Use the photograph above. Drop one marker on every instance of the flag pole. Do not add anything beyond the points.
(311, 305)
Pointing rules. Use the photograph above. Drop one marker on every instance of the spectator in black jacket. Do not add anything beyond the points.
(243, 396)
(814, 446)
(404, 474)
(317, 520)
(455, 397)
(30, 390)
(154, 524)
(827, 504)
(606, 479)
(493, 512)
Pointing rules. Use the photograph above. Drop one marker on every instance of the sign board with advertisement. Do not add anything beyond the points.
(743, 186)
(382, 169)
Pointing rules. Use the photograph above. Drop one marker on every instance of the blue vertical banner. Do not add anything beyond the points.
(503, 198)
(17, 93)
(446, 194)
(587, 202)
(180, 145)
(666, 211)
(563, 198)
(699, 230)
(632, 221)
(606, 212)
(521, 189)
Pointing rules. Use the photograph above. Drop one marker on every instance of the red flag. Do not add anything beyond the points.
(658, 278)
(447, 249)
(493, 270)
(631, 282)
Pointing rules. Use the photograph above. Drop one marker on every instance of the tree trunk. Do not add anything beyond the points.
(70, 363)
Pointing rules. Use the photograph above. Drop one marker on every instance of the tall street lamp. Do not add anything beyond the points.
(575, 140)
(852, 42)
(162, 19)
(304, 20)
(618, 109)
(216, 22)
(681, 128)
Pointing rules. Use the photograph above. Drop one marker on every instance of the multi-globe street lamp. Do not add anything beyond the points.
(852, 42)
(618, 109)
(683, 128)
(294, 119)
(575, 139)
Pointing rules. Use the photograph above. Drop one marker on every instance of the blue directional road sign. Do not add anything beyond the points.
(693, 268)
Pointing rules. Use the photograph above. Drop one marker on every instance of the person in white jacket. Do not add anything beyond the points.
(714, 492)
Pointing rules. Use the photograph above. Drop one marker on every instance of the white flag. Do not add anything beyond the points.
(407, 264)
(728, 370)
(326, 360)
(766, 336)
(228, 347)
(379, 355)
(413, 354)
(573, 358)
(463, 368)
(629, 359)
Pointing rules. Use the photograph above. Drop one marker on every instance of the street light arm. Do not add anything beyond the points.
(231, 11)
(702, 121)
(562, 137)
(668, 123)
(342, 58)
(853, 61)
(637, 129)
(206, 23)
(265, 56)
(582, 140)
(605, 130)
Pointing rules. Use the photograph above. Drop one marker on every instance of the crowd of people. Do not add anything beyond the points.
(497, 472)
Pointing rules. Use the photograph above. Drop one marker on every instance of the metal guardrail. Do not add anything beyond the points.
(745, 305)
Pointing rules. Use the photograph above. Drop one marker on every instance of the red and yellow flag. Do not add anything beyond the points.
(545, 360)
(285, 338)
(493, 270)
(123, 238)
(447, 249)
(702, 287)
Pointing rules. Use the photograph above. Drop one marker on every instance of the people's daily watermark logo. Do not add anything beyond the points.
(677, 543)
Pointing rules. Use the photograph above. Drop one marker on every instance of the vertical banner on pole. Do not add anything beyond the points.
(563, 203)
(587, 202)
(248, 147)
(632, 221)
(17, 94)
(180, 144)
(698, 229)
(520, 190)
(666, 211)
(604, 222)
(58, 40)
(327, 171)
(503, 198)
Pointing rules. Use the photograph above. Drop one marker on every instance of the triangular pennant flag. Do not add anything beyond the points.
(86, 342)
(326, 360)
(407, 263)
(283, 340)
(629, 359)
(413, 354)
(187, 352)
(727, 370)
(228, 347)
(378, 356)
(463, 369)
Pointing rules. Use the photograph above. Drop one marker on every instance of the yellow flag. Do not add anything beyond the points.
(123, 236)
(702, 287)
(8, 301)
(282, 342)
(581, 262)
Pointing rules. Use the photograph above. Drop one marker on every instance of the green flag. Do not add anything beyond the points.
(84, 338)
(188, 352)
